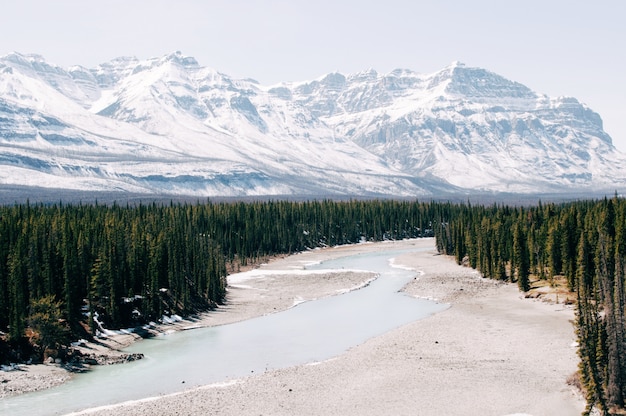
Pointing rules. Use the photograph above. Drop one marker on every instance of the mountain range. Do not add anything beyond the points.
(169, 126)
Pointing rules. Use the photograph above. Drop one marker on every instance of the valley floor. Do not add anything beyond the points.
(493, 352)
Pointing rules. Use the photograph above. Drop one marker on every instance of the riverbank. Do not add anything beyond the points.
(255, 292)
(491, 353)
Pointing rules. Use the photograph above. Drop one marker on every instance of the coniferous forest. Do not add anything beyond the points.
(582, 244)
(66, 269)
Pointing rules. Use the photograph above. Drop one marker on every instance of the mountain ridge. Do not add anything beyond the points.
(168, 125)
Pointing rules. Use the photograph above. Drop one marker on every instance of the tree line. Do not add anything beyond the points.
(581, 243)
(67, 271)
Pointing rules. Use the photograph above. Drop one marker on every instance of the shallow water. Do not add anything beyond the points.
(312, 331)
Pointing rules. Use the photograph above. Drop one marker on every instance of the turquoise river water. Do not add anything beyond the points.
(310, 332)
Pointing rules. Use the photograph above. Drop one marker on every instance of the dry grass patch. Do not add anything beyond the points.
(554, 290)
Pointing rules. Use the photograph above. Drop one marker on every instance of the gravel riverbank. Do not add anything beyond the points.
(493, 352)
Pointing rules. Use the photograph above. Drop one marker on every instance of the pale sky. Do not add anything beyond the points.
(573, 48)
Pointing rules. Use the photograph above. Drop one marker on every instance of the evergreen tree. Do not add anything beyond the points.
(521, 255)
(44, 321)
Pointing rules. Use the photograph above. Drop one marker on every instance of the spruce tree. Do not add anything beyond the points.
(522, 263)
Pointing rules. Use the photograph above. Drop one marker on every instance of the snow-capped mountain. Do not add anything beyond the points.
(171, 126)
(470, 128)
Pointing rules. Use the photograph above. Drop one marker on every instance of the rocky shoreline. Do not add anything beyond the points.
(18, 379)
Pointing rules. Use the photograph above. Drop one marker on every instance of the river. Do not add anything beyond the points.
(310, 332)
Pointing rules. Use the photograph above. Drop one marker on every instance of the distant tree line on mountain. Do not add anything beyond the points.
(581, 243)
(67, 271)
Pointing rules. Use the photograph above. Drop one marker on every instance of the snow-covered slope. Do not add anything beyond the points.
(170, 126)
(469, 127)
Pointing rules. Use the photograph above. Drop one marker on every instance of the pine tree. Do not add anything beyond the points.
(18, 289)
(588, 328)
(613, 311)
(522, 263)
(554, 250)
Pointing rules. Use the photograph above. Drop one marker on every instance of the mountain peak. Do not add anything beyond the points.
(23, 58)
(31, 61)
(456, 64)
(178, 58)
(473, 82)
(167, 125)
(334, 81)
(367, 75)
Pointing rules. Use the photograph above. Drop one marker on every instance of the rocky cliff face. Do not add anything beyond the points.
(470, 128)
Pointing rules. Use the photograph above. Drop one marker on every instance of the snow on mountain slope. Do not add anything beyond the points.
(471, 128)
(170, 126)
